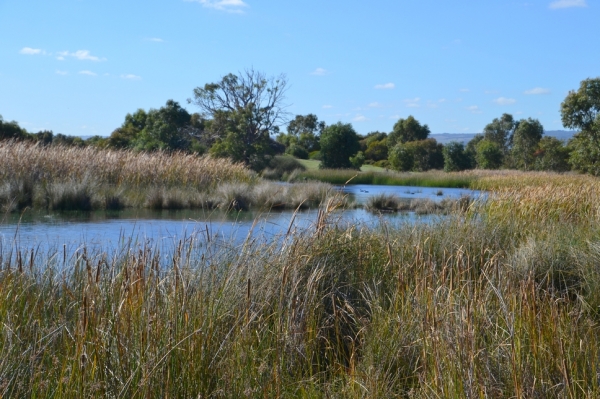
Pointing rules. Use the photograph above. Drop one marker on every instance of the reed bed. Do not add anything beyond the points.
(537, 197)
(21, 160)
(459, 307)
(69, 178)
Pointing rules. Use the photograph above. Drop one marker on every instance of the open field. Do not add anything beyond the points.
(502, 301)
(312, 164)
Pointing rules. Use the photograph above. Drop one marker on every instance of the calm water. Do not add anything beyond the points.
(102, 231)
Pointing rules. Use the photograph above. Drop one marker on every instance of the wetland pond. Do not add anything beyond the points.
(110, 232)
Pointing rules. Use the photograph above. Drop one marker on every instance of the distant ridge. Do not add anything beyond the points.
(464, 138)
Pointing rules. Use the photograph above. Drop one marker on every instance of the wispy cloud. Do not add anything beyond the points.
(385, 86)
(320, 72)
(327, 106)
(88, 73)
(131, 77)
(155, 39)
(83, 55)
(505, 101)
(233, 6)
(464, 90)
(359, 118)
(537, 90)
(31, 51)
(474, 109)
(567, 4)
(374, 104)
(412, 102)
(59, 72)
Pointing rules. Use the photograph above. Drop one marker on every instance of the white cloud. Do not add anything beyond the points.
(505, 101)
(385, 86)
(374, 105)
(327, 106)
(88, 73)
(83, 55)
(59, 72)
(412, 102)
(233, 6)
(155, 39)
(464, 90)
(567, 4)
(31, 51)
(359, 118)
(442, 100)
(319, 72)
(474, 109)
(131, 77)
(537, 90)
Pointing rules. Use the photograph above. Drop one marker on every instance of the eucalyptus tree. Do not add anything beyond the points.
(581, 110)
(244, 111)
(406, 130)
(339, 143)
(526, 138)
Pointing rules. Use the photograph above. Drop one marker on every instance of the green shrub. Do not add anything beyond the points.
(297, 151)
(316, 155)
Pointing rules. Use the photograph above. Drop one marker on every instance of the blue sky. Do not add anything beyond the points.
(79, 66)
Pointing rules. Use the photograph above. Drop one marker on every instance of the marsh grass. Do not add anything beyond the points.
(460, 307)
(84, 179)
(498, 300)
(54, 177)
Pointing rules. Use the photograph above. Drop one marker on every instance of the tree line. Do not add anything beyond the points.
(241, 115)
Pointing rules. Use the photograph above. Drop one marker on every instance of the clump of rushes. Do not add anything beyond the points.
(383, 202)
(457, 307)
(422, 206)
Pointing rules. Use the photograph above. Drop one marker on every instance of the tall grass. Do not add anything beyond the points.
(80, 178)
(61, 178)
(23, 160)
(473, 305)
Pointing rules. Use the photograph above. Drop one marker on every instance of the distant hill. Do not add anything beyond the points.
(464, 138)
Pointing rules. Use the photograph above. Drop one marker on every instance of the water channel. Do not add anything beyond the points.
(107, 231)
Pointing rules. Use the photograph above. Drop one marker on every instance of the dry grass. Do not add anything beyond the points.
(538, 197)
(32, 175)
(63, 178)
(53, 163)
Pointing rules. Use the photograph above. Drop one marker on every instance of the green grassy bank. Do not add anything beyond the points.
(422, 179)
